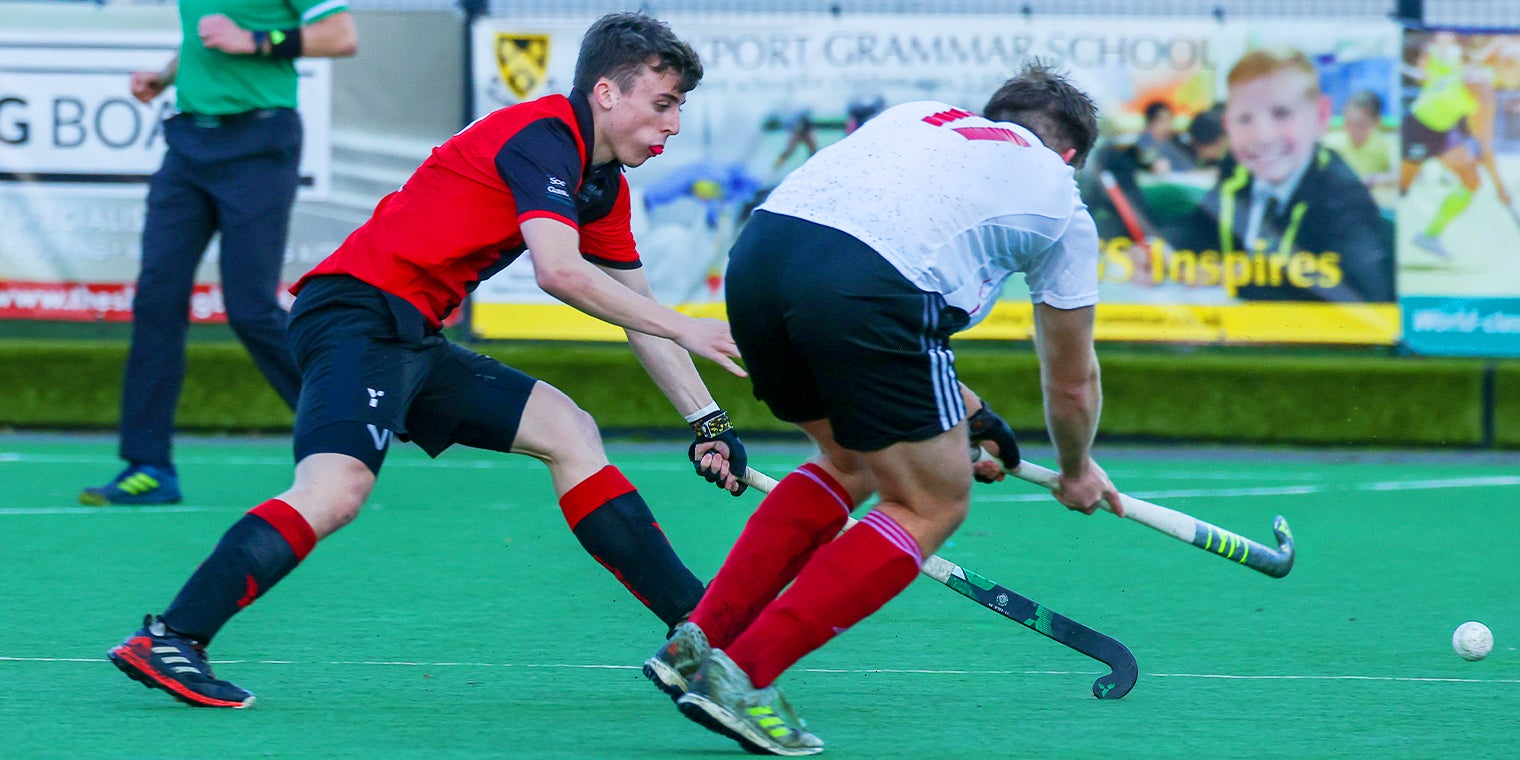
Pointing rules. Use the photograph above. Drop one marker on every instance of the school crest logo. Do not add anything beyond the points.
(523, 60)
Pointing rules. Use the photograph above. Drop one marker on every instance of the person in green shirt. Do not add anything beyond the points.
(231, 168)
(1363, 144)
(1452, 121)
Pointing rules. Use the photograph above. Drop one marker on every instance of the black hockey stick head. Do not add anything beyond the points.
(1123, 670)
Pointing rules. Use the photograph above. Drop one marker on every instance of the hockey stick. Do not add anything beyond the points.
(1133, 222)
(1020, 609)
(1212, 538)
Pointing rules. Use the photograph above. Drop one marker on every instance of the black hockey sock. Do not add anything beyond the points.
(616, 527)
(253, 555)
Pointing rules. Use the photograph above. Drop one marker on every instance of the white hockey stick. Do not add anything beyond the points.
(1183, 527)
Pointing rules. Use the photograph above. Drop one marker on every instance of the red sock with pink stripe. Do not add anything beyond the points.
(850, 578)
(804, 511)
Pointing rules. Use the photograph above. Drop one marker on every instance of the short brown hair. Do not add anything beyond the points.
(1046, 103)
(1264, 62)
(619, 45)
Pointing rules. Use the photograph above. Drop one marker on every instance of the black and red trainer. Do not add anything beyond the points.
(159, 658)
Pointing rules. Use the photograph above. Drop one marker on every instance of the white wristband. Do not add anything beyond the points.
(703, 412)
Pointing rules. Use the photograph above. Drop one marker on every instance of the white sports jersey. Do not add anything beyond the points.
(956, 203)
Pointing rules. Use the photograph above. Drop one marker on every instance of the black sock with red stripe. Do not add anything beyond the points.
(616, 527)
(253, 555)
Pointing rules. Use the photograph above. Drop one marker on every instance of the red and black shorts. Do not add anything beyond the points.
(372, 368)
(829, 329)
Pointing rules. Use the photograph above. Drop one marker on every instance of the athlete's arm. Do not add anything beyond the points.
(147, 85)
(1073, 399)
(668, 364)
(561, 271)
(333, 36)
(671, 368)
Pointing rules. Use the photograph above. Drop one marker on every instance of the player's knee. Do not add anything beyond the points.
(851, 473)
(581, 438)
(954, 513)
(946, 514)
(330, 491)
(556, 430)
(347, 498)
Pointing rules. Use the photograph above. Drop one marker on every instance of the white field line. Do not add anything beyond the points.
(1416, 485)
(513, 463)
(12, 457)
(14, 511)
(507, 461)
(1425, 484)
(1020, 498)
(847, 671)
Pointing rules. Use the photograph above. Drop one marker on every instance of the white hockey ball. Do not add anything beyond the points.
(1472, 640)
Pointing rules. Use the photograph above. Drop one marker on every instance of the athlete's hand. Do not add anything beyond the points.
(993, 434)
(710, 339)
(217, 32)
(147, 85)
(1087, 491)
(717, 453)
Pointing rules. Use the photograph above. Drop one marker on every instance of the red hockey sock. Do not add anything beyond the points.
(805, 510)
(590, 494)
(847, 580)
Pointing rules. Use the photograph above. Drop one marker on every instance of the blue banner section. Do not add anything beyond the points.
(1462, 326)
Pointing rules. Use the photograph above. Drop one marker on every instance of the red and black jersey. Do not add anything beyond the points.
(458, 218)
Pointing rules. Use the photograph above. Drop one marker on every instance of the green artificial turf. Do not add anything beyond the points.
(458, 617)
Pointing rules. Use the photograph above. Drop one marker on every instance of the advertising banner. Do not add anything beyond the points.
(1459, 214)
(1190, 251)
(76, 152)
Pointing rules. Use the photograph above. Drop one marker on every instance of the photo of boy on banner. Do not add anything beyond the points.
(1170, 269)
(1288, 217)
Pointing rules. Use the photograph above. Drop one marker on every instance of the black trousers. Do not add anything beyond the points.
(236, 175)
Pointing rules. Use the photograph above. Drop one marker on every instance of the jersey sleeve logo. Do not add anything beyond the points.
(523, 60)
(556, 187)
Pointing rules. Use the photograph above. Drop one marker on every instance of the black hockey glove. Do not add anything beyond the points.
(987, 426)
(716, 427)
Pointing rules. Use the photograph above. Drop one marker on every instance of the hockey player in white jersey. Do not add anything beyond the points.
(843, 291)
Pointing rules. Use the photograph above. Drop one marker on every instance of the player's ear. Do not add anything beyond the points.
(605, 93)
(1068, 154)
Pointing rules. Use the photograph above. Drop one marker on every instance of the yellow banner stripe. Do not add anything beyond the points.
(1274, 322)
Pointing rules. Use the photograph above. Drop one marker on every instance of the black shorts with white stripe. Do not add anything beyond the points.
(372, 369)
(830, 329)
